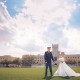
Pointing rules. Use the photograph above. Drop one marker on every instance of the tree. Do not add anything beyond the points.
(6, 62)
(17, 61)
(71, 61)
(79, 62)
(28, 60)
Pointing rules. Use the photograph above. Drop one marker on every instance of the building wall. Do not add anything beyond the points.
(6, 57)
(39, 59)
(75, 57)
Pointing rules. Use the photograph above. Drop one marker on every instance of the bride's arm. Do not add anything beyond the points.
(58, 58)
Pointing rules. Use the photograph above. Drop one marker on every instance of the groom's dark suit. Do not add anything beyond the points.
(48, 57)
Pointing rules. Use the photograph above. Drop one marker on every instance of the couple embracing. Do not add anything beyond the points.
(63, 69)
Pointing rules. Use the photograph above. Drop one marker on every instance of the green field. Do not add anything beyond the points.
(30, 74)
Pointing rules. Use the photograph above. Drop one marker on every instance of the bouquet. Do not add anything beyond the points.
(61, 60)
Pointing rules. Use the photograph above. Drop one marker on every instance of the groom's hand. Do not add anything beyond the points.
(55, 63)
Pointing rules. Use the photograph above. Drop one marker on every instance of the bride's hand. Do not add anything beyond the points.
(45, 62)
(55, 63)
(62, 61)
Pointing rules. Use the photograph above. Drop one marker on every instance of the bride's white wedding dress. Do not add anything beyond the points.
(64, 70)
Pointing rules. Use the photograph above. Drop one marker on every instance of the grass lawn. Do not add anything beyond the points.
(30, 74)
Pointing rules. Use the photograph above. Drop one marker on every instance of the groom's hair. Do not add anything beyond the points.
(48, 47)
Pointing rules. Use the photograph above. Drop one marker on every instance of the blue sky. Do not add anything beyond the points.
(29, 26)
(75, 20)
(13, 6)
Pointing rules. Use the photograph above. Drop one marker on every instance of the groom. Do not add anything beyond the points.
(48, 57)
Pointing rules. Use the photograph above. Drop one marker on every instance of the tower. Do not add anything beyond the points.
(55, 51)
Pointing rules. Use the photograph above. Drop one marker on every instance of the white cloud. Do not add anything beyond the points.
(49, 11)
(5, 16)
(73, 38)
(30, 27)
(5, 28)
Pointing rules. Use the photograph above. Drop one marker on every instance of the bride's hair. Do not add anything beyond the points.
(62, 53)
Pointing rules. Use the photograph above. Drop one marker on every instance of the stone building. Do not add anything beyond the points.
(39, 59)
(75, 58)
(55, 51)
(6, 57)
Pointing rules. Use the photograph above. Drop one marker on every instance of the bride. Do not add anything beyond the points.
(63, 69)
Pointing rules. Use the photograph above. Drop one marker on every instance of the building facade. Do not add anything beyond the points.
(73, 58)
(55, 51)
(39, 59)
(6, 57)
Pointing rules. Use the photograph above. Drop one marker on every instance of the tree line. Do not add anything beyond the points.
(26, 60)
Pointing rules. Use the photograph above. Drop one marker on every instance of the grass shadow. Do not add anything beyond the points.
(48, 78)
(67, 77)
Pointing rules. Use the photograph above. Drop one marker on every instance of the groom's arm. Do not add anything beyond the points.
(52, 57)
(45, 57)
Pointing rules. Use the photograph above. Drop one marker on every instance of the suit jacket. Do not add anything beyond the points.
(48, 57)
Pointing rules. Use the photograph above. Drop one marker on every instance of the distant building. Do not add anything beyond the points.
(39, 59)
(6, 57)
(73, 57)
(55, 51)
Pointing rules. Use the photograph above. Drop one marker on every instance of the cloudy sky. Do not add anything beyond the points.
(29, 26)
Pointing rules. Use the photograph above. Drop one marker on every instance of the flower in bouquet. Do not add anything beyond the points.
(61, 60)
